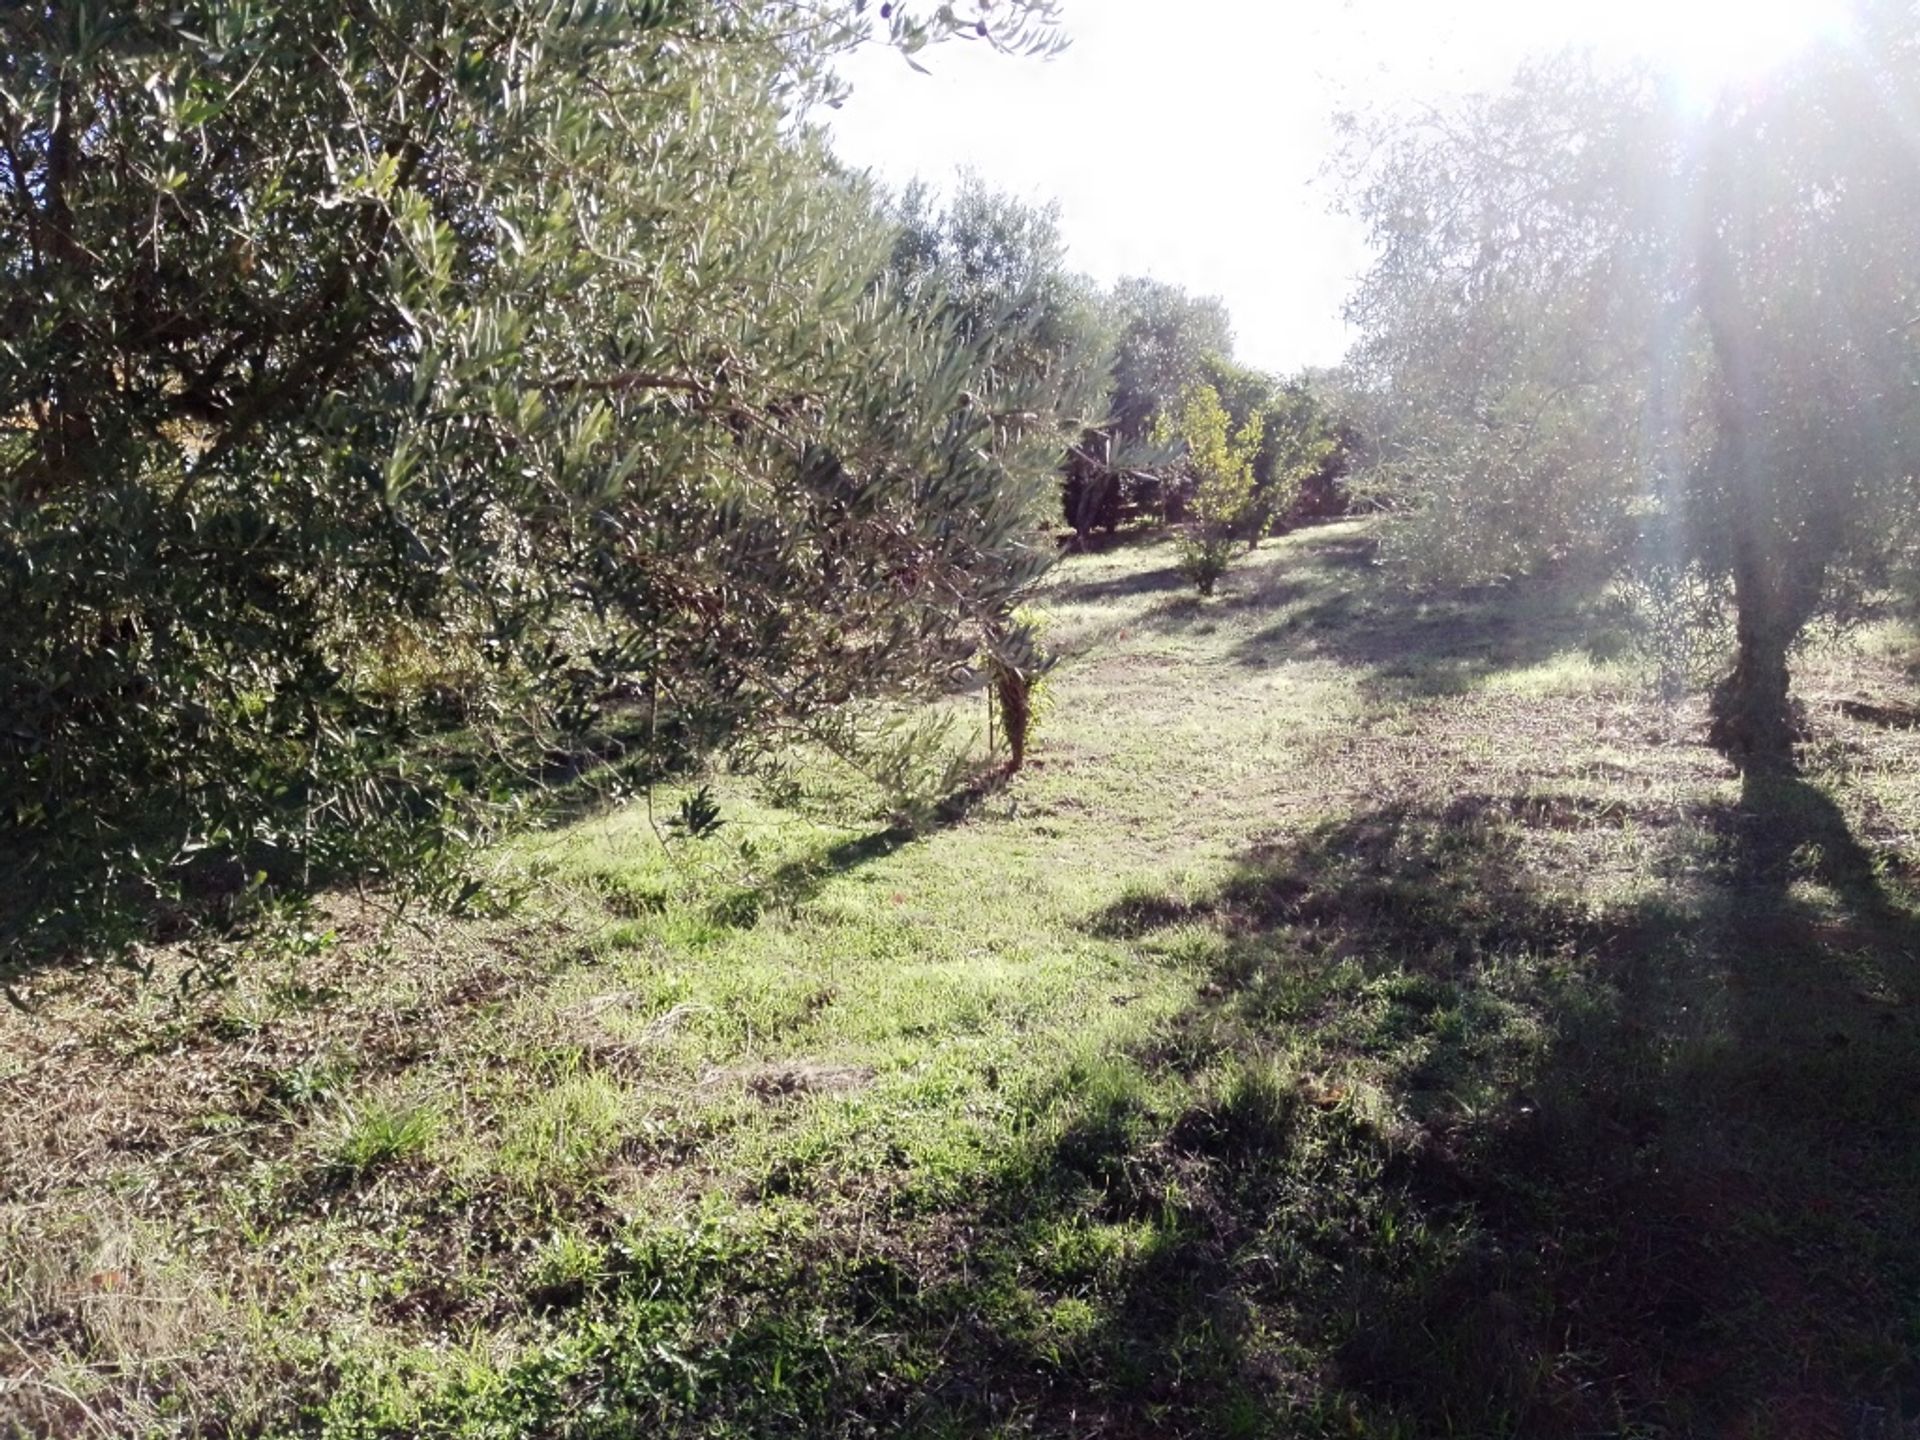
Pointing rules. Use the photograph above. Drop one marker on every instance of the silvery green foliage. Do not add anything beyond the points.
(1606, 323)
(1166, 339)
(394, 385)
(914, 760)
(1505, 337)
(995, 268)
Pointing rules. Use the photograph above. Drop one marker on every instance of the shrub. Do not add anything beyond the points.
(1219, 461)
(1206, 557)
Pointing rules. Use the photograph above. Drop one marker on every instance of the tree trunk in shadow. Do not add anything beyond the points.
(1013, 691)
(1753, 722)
(1778, 561)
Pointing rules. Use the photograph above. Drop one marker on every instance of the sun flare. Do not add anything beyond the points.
(1707, 46)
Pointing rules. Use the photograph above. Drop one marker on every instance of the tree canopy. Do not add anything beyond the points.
(1605, 323)
(399, 370)
(1166, 337)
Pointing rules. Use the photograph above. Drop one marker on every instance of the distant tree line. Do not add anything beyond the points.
(1154, 353)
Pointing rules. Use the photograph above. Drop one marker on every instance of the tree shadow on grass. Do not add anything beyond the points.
(1441, 1148)
(1409, 642)
(1412, 644)
(1201, 614)
(1331, 557)
(1142, 529)
(1471, 1155)
(1329, 600)
(1656, 1158)
(1119, 587)
(794, 882)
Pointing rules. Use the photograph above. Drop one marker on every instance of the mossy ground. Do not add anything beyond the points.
(1370, 1015)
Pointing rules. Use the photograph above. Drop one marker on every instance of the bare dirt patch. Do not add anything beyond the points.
(787, 1079)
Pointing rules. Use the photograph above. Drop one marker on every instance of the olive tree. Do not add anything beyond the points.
(994, 268)
(1804, 255)
(390, 386)
(1601, 318)
(1506, 323)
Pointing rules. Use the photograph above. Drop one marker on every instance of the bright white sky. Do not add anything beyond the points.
(1187, 141)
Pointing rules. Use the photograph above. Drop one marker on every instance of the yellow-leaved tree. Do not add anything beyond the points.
(1219, 462)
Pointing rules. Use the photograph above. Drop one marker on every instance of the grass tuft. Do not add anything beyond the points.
(379, 1130)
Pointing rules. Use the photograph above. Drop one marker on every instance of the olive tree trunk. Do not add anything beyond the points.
(1753, 721)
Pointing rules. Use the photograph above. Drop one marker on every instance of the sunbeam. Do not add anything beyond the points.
(1709, 46)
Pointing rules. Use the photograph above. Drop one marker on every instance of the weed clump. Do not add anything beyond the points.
(380, 1131)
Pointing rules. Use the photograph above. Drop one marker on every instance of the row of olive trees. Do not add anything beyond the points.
(1152, 367)
(1173, 354)
(1602, 323)
(389, 387)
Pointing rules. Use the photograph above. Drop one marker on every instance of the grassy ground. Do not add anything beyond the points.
(1370, 1016)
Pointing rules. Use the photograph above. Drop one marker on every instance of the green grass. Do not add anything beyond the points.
(1371, 1015)
(379, 1130)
